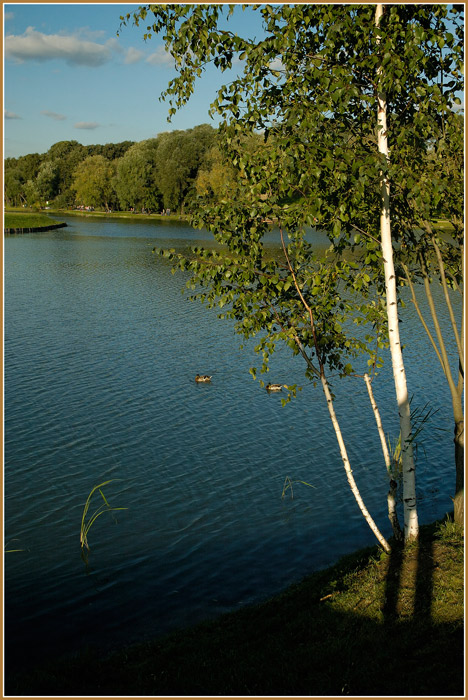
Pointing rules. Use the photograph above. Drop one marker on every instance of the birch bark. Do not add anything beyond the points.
(399, 374)
(391, 496)
(331, 410)
(347, 466)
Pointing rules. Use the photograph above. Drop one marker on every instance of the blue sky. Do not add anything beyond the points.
(68, 76)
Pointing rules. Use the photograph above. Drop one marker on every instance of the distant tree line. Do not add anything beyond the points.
(165, 172)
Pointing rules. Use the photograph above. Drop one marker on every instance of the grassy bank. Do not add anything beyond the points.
(120, 215)
(27, 220)
(442, 225)
(96, 214)
(374, 624)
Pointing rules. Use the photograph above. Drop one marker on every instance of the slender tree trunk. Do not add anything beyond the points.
(331, 409)
(399, 375)
(391, 496)
(458, 501)
(456, 390)
(347, 467)
(456, 394)
(456, 335)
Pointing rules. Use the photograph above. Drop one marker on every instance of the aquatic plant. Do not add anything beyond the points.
(104, 507)
(419, 417)
(7, 551)
(288, 484)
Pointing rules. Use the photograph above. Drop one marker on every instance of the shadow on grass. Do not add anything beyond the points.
(371, 625)
(410, 568)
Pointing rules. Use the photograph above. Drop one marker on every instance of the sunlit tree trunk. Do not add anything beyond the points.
(331, 410)
(456, 389)
(391, 496)
(459, 499)
(347, 466)
(399, 375)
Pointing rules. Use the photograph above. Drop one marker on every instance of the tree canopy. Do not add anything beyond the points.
(136, 180)
(312, 87)
(149, 174)
(93, 181)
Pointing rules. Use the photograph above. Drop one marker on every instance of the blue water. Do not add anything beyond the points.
(101, 351)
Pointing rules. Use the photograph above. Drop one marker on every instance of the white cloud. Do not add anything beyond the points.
(36, 46)
(133, 55)
(86, 125)
(276, 64)
(11, 115)
(91, 34)
(160, 57)
(53, 115)
(113, 44)
(8, 15)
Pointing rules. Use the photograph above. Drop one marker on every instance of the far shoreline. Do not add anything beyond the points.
(100, 214)
(441, 224)
(29, 221)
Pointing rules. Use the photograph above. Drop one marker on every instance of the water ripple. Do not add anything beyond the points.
(101, 351)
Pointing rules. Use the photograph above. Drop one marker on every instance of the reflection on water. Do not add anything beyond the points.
(101, 351)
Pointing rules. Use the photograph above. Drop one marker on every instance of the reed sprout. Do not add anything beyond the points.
(104, 507)
(288, 484)
(7, 551)
(419, 417)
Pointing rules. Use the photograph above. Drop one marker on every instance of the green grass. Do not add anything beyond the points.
(374, 624)
(174, 216)
(19, 220)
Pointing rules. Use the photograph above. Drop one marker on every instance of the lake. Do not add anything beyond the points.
(101, 351)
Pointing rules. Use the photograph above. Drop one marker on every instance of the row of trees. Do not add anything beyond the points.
(36, 178)
(377, 157)
(169, 171)
(151, 174)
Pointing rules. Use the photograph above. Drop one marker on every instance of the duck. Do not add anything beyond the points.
(274, 387)
(203, 378)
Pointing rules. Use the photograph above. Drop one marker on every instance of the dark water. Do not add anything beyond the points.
(101, 351)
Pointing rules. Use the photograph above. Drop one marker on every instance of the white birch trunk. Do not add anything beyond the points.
(399, 375)
(383, 442)
(347, 466)
(391, 496)
(331, 409)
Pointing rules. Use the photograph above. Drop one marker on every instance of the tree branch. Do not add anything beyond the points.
(448, 302)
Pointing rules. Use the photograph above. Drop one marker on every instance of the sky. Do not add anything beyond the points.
(68, 76)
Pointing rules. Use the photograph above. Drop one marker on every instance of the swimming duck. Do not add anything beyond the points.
(203, 378)
(274, 387)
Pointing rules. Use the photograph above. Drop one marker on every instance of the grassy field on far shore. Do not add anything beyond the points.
(97, 214)
(442, 225)
(27, 219)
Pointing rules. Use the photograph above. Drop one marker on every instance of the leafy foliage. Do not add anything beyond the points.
(146, 175)
(309, 88)
(313, 87)
(179, 156)
(136, 177)
(93, 181)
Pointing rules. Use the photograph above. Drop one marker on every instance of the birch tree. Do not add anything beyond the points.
(312, 87)
(436, 258)
(399, 374)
